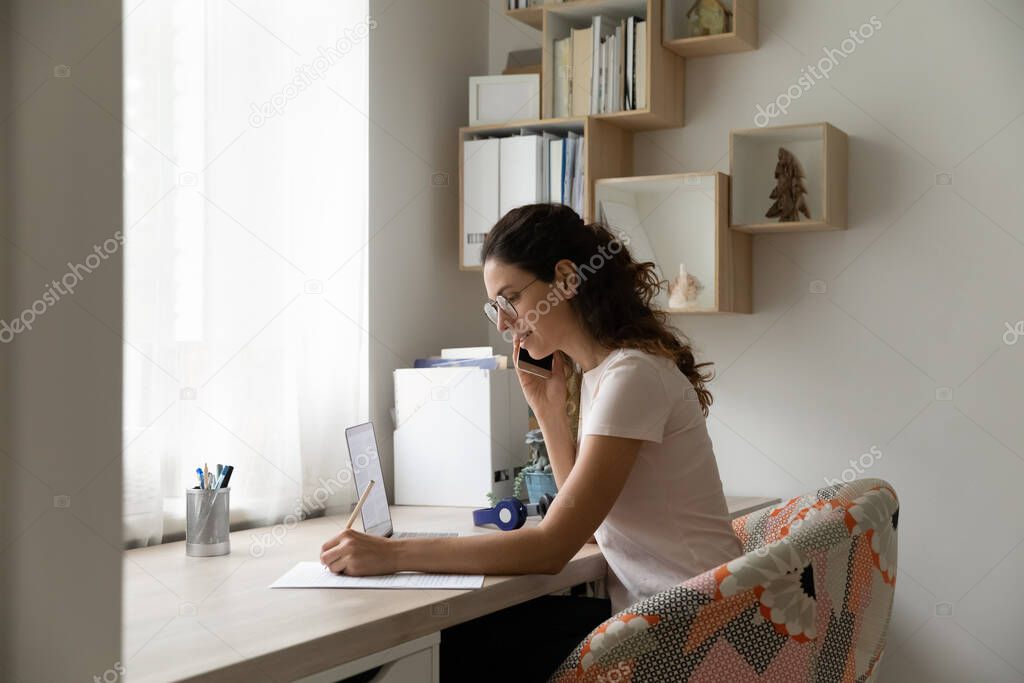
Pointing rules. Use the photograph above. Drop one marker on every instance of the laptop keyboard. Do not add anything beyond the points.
(423, 534)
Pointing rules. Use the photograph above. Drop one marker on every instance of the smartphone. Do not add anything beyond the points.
(541, 367)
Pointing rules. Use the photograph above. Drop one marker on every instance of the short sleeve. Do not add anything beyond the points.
(630, 402)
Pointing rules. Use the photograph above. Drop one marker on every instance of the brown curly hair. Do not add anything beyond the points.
(613, 299)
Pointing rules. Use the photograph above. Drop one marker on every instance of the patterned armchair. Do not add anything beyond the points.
(808, 601)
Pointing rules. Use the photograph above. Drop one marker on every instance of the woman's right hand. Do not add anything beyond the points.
(546, 397)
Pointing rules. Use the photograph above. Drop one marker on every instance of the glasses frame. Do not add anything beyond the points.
(498, 303)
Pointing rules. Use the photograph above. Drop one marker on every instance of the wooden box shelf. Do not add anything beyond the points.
(679, 219)
(531, 16)
(741, 38)
(821, 149)
(666, 72)
(607, 152)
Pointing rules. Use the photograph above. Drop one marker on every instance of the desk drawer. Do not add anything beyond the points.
(414, 668)
(417, 661)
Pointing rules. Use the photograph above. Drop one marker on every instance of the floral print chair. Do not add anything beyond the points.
(808, 601)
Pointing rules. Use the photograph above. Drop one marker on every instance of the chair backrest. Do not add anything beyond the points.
(809, 600)
(842, 541)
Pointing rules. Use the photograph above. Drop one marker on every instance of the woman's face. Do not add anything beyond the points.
(544, 319)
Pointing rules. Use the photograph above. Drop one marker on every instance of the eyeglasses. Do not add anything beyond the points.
(500, 302)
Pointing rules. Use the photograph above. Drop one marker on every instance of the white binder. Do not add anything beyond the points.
(555, 177)
(480, 179)
(520, 175)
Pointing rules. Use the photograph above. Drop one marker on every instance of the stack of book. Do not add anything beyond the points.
(523, 4)
(502, 173)
(465, 356)
(601, 68)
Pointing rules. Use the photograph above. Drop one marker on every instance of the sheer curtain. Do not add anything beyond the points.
(245, 260)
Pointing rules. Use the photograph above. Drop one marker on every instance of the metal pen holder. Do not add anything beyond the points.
(207, 522)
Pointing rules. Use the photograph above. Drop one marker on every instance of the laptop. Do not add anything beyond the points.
(362, 453)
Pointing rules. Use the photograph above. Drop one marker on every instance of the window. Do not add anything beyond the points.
(245, 254)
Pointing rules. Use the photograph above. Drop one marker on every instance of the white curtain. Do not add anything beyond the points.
(245, 254)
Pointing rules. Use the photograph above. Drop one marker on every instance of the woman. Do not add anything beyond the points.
(643, 479)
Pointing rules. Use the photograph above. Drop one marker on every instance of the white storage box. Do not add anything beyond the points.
(460, 432)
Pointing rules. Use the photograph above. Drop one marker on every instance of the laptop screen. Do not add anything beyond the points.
(362, 452)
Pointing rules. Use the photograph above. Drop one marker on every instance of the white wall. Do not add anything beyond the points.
(917, 294)
(60, 558)
(421, 57)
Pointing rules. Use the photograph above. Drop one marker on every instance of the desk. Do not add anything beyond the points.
(214, 619)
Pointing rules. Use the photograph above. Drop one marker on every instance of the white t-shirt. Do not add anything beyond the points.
(670, 522)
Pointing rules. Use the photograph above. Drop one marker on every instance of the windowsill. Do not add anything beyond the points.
(246, 514)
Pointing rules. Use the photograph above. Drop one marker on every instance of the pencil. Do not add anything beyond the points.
(359, 505)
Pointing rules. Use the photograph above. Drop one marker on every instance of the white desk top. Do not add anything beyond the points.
(214, 619)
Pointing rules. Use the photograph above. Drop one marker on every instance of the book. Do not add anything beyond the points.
(582, 74)
(562, 79)
(578, 180)
(641, 66)
(608, 83)
(620, 66)
(489, 363)
(630, 102)
(602, 27)
(467, 352)
(570, 157)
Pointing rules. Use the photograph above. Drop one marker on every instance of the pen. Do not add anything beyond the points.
(199, 473)
(221, 473)
(359, 505)
(228, 471)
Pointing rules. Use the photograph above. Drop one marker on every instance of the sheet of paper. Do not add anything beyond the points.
(315, 575)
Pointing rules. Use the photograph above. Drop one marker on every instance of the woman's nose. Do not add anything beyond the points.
(503, 321)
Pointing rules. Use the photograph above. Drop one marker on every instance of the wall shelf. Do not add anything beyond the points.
(666, 72)
(531, 16)
(678, 219)
(741, 38)
(821, 149)
(608, 137)
(607, 152)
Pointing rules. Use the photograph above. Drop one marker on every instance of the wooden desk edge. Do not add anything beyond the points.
(335, 649)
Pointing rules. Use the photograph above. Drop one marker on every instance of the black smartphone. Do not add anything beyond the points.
(541, 367)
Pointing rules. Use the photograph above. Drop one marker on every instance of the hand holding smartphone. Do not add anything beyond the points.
(541, 367)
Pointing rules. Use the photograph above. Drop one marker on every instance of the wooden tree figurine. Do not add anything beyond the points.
(789, 193)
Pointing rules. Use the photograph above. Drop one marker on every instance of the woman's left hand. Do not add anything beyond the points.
(357, 554)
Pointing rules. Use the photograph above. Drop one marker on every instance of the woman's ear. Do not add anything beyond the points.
(566, 278)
